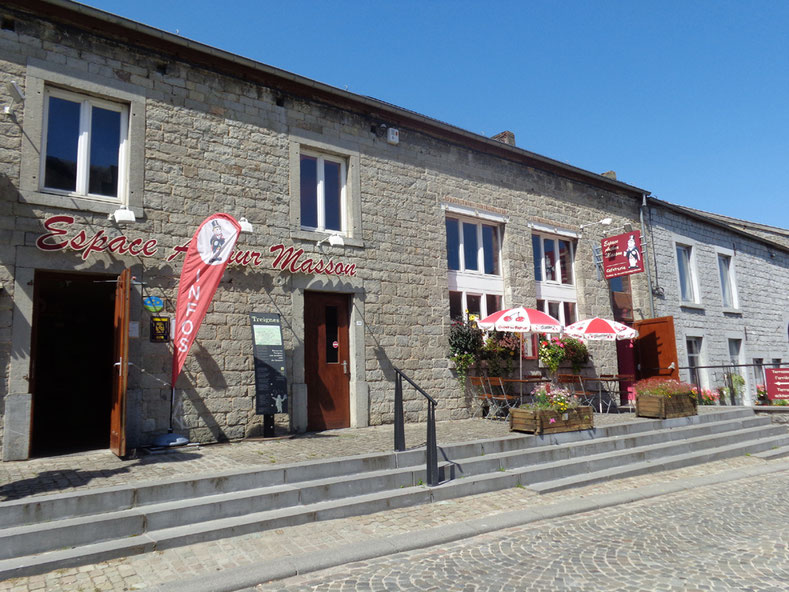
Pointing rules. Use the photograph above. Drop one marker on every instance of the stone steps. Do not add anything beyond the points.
(55, 531)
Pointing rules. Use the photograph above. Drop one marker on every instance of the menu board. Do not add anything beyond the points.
(777, 380)
(271, 386)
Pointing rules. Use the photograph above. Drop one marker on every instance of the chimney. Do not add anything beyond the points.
(505, 138)
(609, 175)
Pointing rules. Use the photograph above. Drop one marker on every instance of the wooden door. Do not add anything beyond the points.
(121, 365)
(656, 348)
(326, 360)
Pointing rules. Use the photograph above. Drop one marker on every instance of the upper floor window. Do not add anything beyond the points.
(728, 286)
(553, 259)
(687, 280)
(85, 146)
(694, 359)
(323, 192)
(473, 246)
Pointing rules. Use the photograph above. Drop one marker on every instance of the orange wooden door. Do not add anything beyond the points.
(120, 365)
(656, 348)
(326, 360)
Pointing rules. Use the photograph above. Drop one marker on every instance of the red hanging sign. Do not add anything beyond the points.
(777, 383)
(622, 255)
(205, 262)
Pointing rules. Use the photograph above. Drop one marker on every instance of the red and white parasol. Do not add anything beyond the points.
(600, 329)
(520, 320)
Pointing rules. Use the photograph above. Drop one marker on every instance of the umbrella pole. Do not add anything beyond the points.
(520, 359)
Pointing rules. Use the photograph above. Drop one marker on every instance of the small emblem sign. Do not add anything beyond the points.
(153, 303)
(160, 329)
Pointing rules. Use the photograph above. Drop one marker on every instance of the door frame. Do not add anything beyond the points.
(120, 378)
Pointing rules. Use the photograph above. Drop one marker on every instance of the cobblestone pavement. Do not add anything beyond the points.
(100, 468)
(730, 536)
(205, 559)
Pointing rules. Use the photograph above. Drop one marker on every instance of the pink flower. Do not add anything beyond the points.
(552, 420)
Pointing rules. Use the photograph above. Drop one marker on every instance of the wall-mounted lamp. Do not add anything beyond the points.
(17, 97)
(335, 240)
(123, 215)
(604, 222)
(246, 226)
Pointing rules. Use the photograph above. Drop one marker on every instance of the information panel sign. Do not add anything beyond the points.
(271, 387)
(622, 255)
(777, 383)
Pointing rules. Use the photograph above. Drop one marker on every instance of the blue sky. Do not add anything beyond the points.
(689, 100)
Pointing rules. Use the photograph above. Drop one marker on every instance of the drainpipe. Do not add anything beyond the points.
(646, 257)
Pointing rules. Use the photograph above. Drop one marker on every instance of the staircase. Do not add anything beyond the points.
(63, 530)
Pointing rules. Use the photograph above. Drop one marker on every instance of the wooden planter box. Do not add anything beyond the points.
(666, 407)
(539, 421)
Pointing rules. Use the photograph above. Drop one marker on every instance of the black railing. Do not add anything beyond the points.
(431, 448)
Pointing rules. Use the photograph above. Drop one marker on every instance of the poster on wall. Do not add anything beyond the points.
(777, 383)
(271, 386)
(622, 254)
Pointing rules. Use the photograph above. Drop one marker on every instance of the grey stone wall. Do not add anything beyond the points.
(216, 143)
(761, 276)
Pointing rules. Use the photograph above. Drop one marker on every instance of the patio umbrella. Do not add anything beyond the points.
(520, 320)
(600, 329)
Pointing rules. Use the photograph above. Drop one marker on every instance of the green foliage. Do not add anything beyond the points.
(500, 350)
(553, 398)
(555, 350)
(465, 344)
(662, 387)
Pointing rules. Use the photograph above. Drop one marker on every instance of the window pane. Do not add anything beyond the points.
(616, 284)
(456, 306)
(332, 353)
(453, 244)
(473, 303)
(724, 263)
(309, 191)
(62, 140)
(553, 309)
(470, 246)
(734, 350)
(105, 141)
(541, 305)
(694, 354)
(493, 302)
(566, 260)
(685, 283)
(490, 248)
(569, 313)
(550, 259)
(536, 243)
(332, 188)
(758, 370)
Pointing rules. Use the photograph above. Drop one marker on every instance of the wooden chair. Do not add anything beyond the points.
(495, 404)
(575, 384)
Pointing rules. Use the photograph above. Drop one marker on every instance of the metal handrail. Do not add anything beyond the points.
(431, 448)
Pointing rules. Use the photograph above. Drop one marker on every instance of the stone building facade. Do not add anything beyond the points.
(204, 131)
(724, 283)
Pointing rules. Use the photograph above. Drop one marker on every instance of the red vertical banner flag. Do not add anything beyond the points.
(204, 264)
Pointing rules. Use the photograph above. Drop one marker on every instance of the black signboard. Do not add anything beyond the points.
(160, 329)
(271, 386)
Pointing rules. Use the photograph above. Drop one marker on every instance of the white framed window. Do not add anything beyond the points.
(695, 373)
(686, 274)
(85, 146)
(554, 259)
(474, 273)
(562, 310)
(86, 140)
(554, 274)
(727, 280)
(323, 192)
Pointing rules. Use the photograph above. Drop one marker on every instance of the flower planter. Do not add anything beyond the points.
(679, 405)
(544, 421)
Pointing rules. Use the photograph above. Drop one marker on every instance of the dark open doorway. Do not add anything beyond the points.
(71, 365)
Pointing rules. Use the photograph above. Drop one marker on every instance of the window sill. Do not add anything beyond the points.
(736, 312)
(691, 305)
(82, 204)
(311, 235)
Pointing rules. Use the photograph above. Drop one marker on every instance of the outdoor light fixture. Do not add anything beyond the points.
(246, 226)
(604, 222)
(17, 97)
(123, 215)
(335, 240)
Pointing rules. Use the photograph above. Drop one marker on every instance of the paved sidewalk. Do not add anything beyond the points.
(235, 555)
(100, 468)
